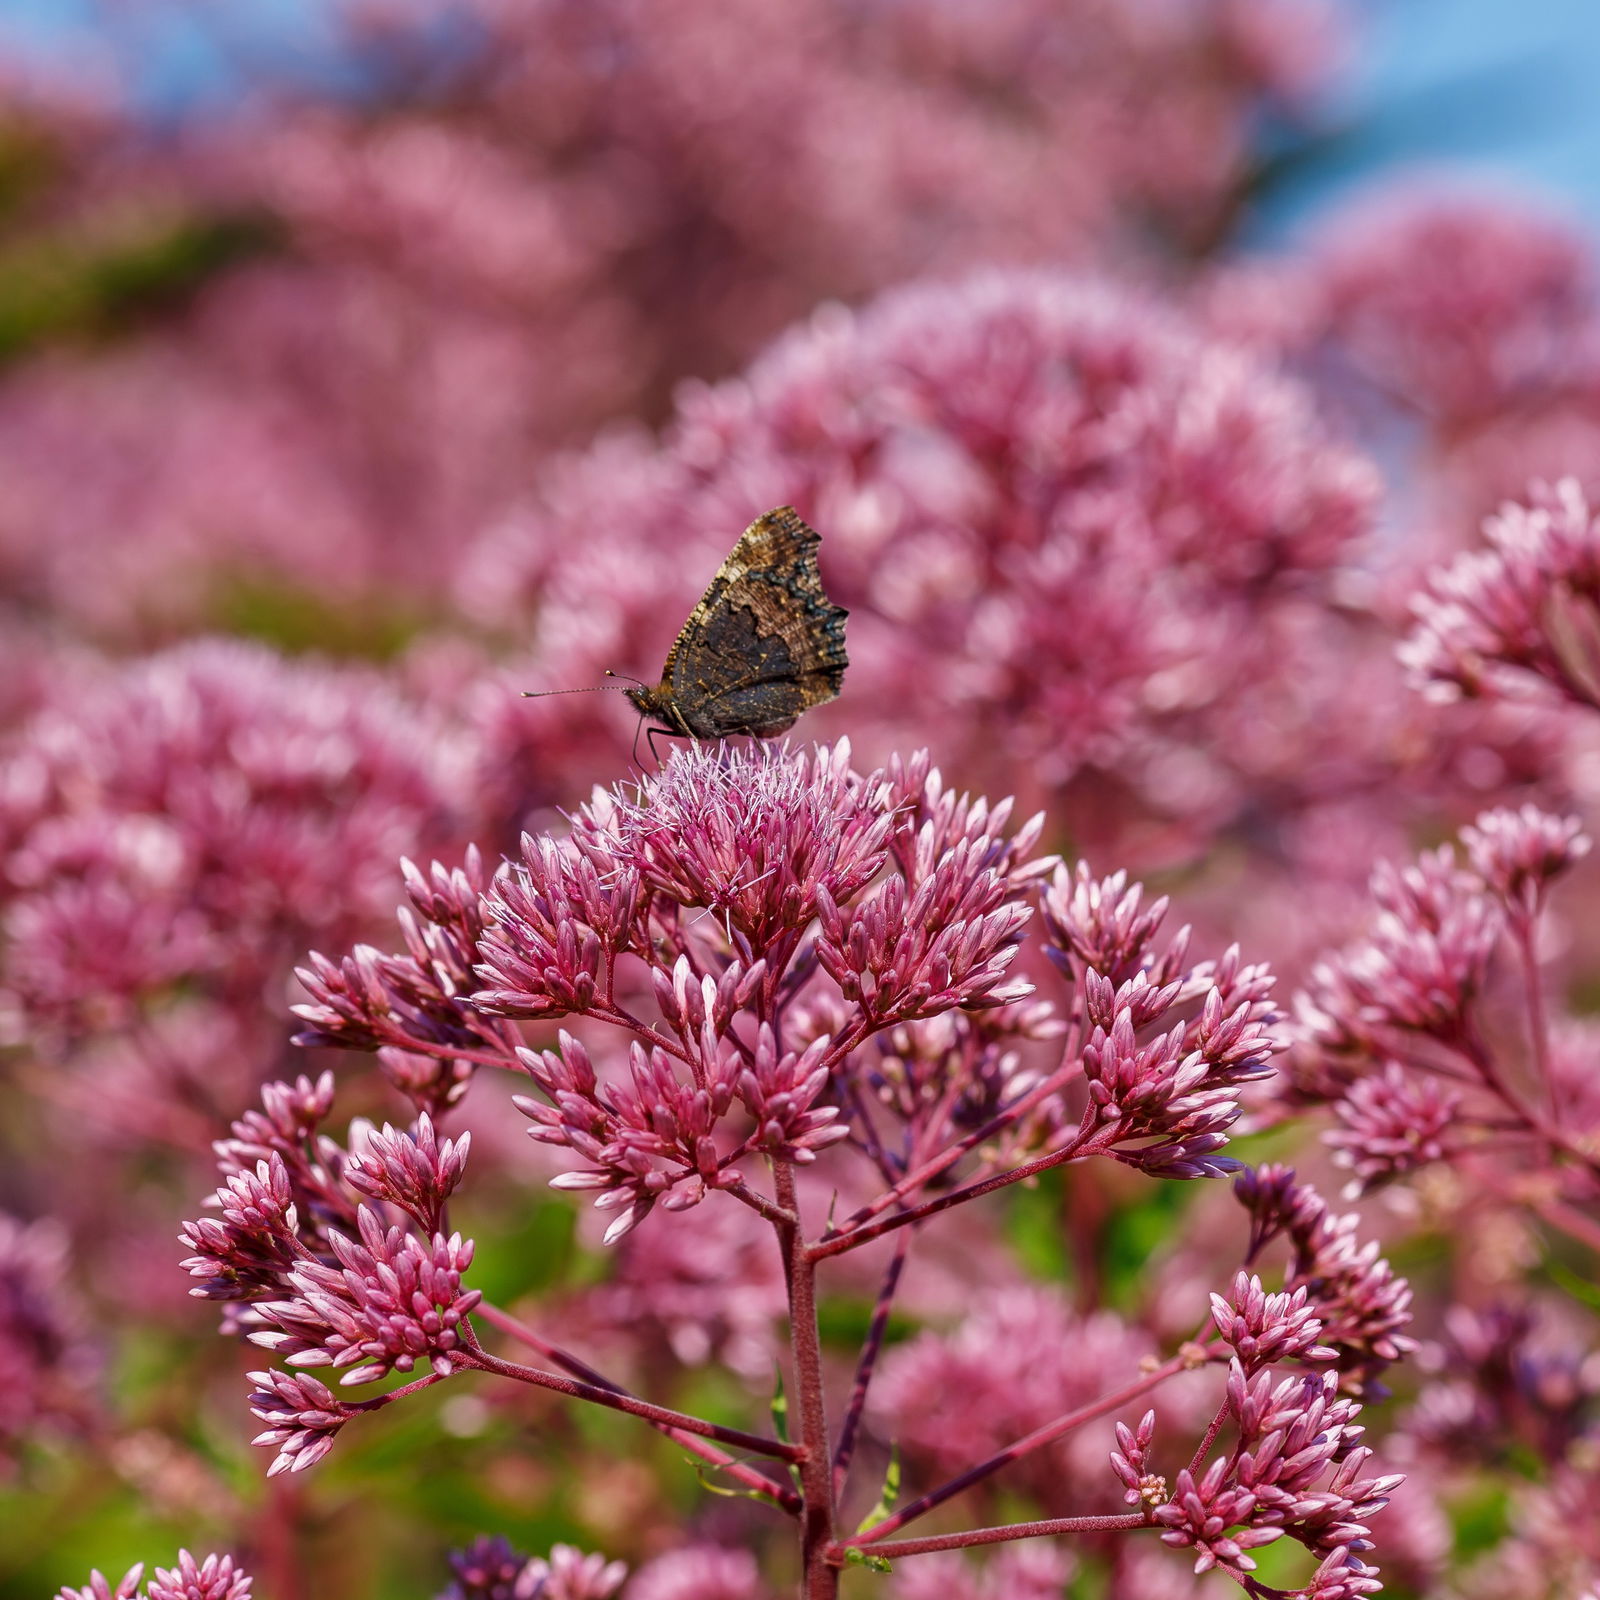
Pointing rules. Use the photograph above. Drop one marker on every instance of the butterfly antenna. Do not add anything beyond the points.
(594, 688)
(624, 676)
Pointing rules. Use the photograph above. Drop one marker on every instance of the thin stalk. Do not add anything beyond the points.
(449, 1052)
(379, 1401)
(1123, 1523)
(277, 1539)
(1050, 1432)
(947, 1158)
(1076, 1150)
(475, 1355)
(1478, 1053)
(748, 1476)
(1204, 1447)
(846, 1446)
(759, 1203)
(1571, 1222)
(1538, 1024)
(819, 1564)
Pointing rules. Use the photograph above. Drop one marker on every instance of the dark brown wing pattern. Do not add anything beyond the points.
(764, 643)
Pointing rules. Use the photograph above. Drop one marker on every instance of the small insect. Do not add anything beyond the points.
(764, 644)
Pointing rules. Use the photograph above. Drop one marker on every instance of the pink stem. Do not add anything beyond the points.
(845, 1449)
(475, 1355)
(1050, 1432)
(948, 1157)
(820, 1571)
(1080, 1147)
(1124, 1523)
(737, 1470)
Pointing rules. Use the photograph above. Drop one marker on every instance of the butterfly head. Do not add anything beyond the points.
(656, 701)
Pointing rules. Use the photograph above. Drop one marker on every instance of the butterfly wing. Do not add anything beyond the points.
(765, 642)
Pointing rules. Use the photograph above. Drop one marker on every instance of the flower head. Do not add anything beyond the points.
(302, 1418)
(415, 1171)
(1362, 1305)
(215, 1578)
(1418, 969)
(1517, 853)
(1263, 1328)
(385, 1303)
(1512, 620)
(1391, 1123)
(699, 1572)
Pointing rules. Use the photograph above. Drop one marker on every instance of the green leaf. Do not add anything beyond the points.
(780, 1421)
(780, 1406)
(703, 1471)
(891, 1493)
(1581, 1289)
(865, 1558)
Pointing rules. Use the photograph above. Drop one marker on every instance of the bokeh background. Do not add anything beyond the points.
(353, 376)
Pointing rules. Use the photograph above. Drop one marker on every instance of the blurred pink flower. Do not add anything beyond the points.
(984, 460)
(1030, 1571)
(215, 1578)
(1514, 619)
(1014, 1364)
(699, 1572)
(1456, 303)
(49, 1368)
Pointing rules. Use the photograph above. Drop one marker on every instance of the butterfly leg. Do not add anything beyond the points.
(650, 739)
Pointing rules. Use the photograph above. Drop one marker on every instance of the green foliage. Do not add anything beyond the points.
(1135, 1233)
(1033, 1226)
(887, 1495)
(297, 619)
(63, 284)
(843, 1321)
(533, 1249)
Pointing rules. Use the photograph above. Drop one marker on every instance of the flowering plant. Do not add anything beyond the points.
(902, 1134)
(777, 964)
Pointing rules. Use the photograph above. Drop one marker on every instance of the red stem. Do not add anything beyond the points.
(748, 1476)
(475, 1355)
(1050, 1432)
(947, 1158)
(1080, 1147)
(845, 1449)
(1117, 1523)
(1478, 1053)
(1204, 1447)
(819, 1565)
(1560, 1215)
(758, 1202)
(482, 1058)
(1522, 927)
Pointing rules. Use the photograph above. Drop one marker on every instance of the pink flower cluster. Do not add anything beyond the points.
(546, 229)
(771, 957)
(829, 1039)
(987, 458)
(491, 1570)
(49, 1365)
(1398, 1030)
(171, 837)
(215, 1578)
(336, 1257)
(1517, 618)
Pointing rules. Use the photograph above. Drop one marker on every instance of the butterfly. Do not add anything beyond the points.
(764, 644)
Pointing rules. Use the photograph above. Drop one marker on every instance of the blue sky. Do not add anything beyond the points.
(1508, 87)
